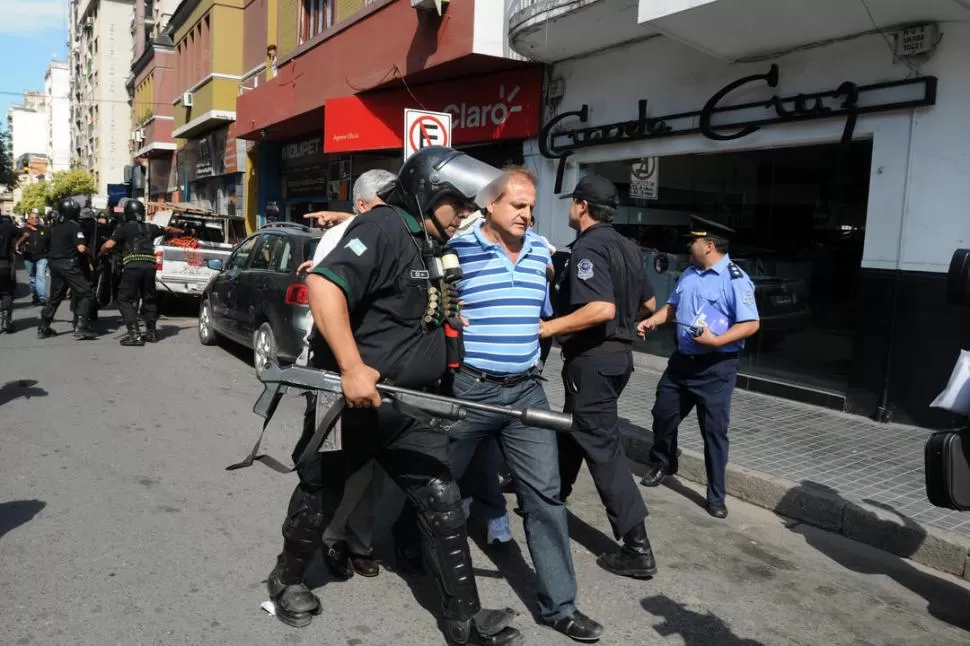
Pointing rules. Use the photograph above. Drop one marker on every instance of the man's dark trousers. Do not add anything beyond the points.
(415, 456)
(137, 283)
(706, 381)
(64, 274)
(531, 455)
(593, 384)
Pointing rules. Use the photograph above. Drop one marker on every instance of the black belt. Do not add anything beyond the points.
(501, 380)
(713, 357)
(610, 346)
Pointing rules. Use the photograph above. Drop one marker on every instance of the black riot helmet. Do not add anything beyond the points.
(134, 211)
(436, 172)
(69, 209)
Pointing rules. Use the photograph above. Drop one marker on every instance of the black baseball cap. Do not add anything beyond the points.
(595, 190)
(701, 228)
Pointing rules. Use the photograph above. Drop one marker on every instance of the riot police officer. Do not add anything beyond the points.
(371, 302)
(68, 251)
(8, 276)
(89, 226)
(135, 237)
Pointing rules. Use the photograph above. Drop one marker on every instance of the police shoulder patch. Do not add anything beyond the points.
(356, 246)
(735, 271)
(584, 269)
(748, 297)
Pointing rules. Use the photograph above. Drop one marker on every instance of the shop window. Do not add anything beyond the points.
(317, 18)
(799, 216)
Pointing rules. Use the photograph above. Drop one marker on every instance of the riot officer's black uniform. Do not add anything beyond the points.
(89, 227)
(66, 258)
(382, 270)
(135, 237)
(8, 277)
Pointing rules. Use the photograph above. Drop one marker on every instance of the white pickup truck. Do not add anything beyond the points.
(181, 261)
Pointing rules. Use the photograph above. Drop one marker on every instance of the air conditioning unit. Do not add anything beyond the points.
(138, 136)
(187, 100)
(89, 22)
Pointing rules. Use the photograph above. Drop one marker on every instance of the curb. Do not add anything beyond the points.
(871, 524)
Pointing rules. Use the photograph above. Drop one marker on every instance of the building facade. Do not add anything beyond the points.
(211, 163)
(100, 44)
(57, 93)
(27, 127)
(331, 104)
(151, 91)
(826, 144)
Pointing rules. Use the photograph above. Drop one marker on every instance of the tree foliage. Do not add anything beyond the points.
(8, 174)
(70, 182)
(34, 196)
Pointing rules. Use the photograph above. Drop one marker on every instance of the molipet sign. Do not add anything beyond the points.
(847, 101)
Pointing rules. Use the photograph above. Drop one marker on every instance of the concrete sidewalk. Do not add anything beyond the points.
(840, 472)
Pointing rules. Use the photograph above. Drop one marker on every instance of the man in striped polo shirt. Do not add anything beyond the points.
(506, 269)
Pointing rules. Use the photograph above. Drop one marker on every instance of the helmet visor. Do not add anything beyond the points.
(474, 179)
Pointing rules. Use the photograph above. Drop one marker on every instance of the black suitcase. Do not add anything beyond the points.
(947, 466)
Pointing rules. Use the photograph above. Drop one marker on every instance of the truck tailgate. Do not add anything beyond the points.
(184, 270)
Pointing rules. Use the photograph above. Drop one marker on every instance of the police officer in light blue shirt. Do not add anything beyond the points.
(715, 310)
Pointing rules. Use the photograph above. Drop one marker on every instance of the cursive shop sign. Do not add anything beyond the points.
(727, 122)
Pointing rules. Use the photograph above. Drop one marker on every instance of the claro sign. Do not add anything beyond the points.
(485, 108)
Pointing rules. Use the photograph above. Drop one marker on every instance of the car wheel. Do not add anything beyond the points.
(264, 348)
(207, 334)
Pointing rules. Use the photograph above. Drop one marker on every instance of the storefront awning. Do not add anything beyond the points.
(493, 107)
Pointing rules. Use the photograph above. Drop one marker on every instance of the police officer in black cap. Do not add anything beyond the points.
(136, 239)
(8, 276)
(601, 294)
(715, 310)
(68, 251)
(376, 318)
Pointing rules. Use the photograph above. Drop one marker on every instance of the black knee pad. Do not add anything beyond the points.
(306, 517)
(442, 521)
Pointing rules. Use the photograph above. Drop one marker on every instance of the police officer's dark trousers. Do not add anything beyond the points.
(593, 383)
(66, 273)
(705, 381)
(90, 276)
(416, 457)
(8, 285)
(138, 283)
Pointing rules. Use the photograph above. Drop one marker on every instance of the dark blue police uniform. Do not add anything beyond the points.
(718, 298)
(604, 267)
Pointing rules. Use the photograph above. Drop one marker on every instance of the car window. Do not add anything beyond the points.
(240, 258)
(310, 247)
(283, 256)
(263, 257)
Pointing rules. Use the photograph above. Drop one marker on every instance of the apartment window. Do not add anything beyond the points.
(317, 18)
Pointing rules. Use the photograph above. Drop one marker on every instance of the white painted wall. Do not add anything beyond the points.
(57, 87)
(114, 116)
(490, 34)
(29, 129)
(920, 188)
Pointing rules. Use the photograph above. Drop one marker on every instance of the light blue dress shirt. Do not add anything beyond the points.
(718, 297)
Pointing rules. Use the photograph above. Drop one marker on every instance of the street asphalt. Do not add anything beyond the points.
(120, 525)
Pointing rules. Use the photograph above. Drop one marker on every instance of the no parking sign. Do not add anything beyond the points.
(423, 129)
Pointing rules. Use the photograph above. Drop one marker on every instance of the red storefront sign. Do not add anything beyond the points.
(484, 108)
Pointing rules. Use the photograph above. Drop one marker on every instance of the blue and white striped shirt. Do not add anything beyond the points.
(502, 302)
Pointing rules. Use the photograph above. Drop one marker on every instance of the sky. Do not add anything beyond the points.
(31, 32)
